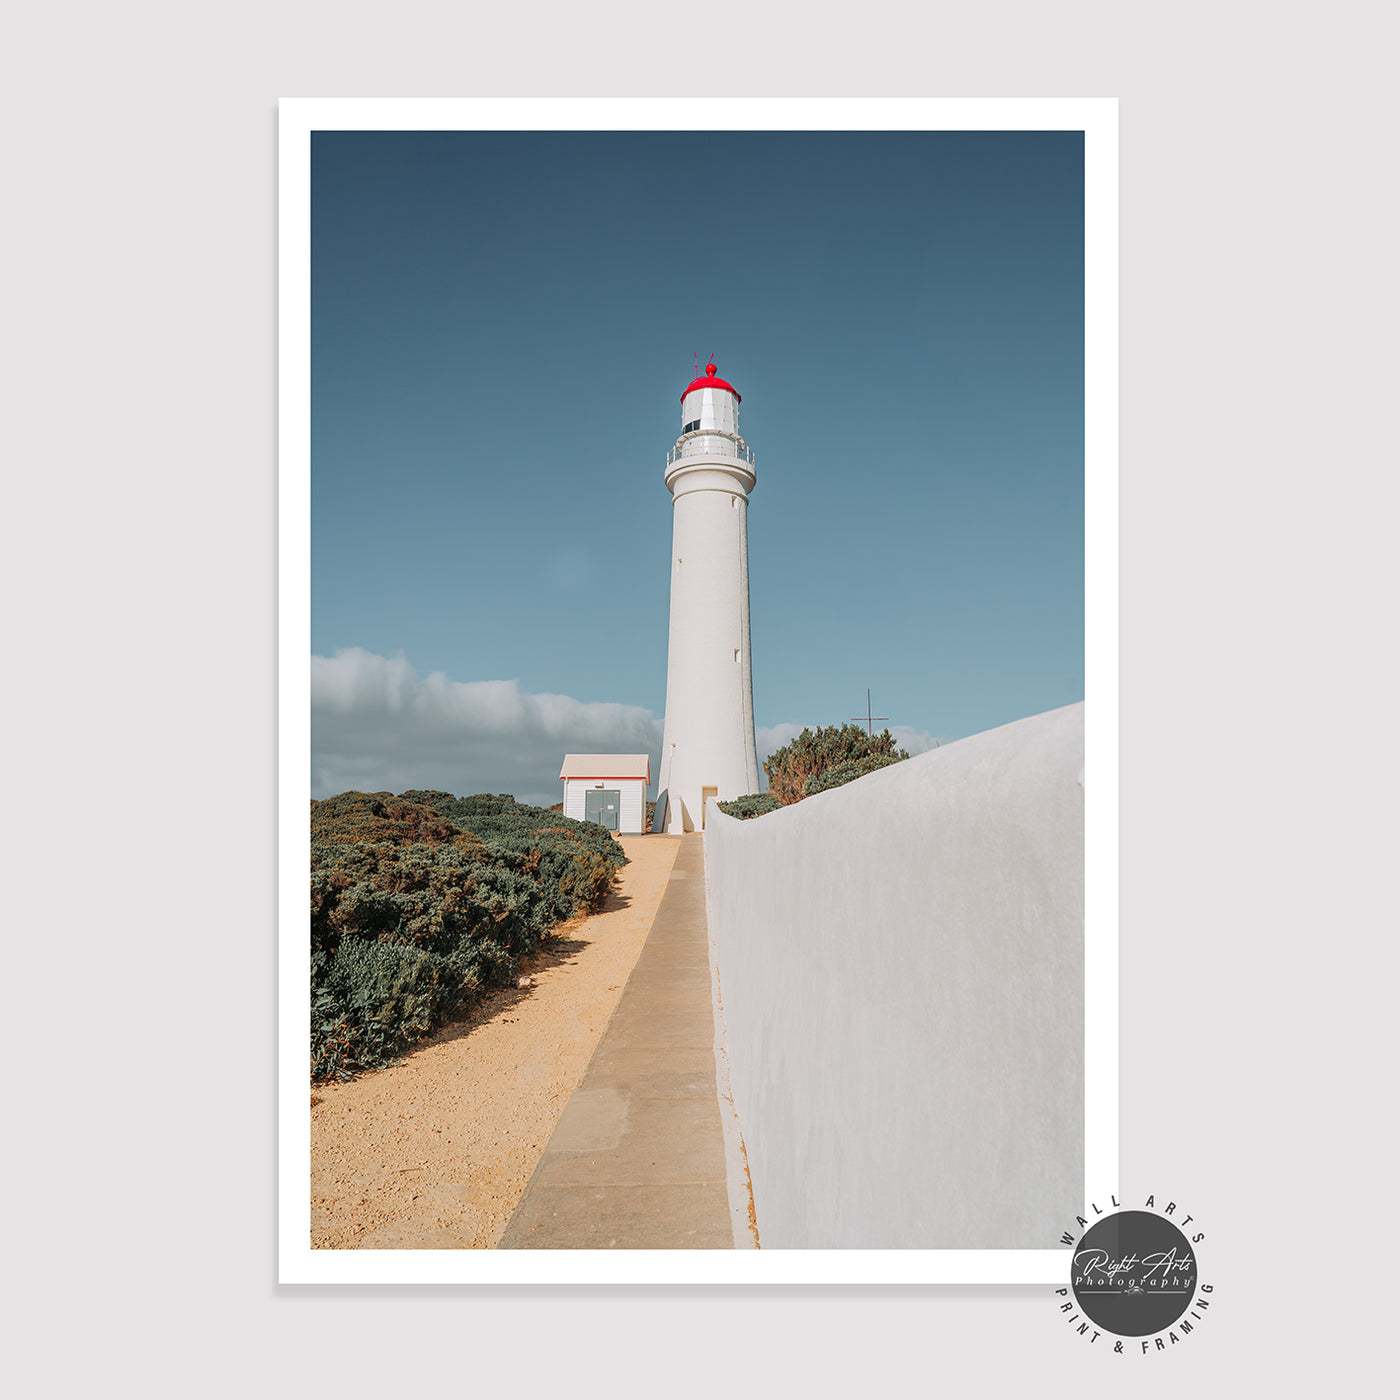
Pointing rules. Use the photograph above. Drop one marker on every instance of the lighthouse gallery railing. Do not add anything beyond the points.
(710, 445)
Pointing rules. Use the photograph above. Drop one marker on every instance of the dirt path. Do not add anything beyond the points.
(435, 1153)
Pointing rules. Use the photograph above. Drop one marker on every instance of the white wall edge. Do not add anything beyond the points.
(742, 1219)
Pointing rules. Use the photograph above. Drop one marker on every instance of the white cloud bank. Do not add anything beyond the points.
(376, 727)
(913, 741)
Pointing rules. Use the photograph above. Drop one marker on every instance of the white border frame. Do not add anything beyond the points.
(1098, 119)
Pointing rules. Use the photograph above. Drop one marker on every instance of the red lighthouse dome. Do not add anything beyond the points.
(708, 381)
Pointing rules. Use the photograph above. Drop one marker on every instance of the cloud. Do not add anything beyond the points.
(914, 741)
(376, 726)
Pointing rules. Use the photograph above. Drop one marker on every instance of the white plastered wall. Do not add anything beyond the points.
(901, 962)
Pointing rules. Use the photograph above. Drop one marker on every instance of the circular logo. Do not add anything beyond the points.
(1133, 1273)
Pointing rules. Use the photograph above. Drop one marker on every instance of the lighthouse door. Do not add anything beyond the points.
(705, 794)
(602, 806)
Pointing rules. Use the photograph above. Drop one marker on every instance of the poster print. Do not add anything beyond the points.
(571, 414)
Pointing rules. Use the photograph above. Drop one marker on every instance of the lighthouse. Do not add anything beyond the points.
(708, 746)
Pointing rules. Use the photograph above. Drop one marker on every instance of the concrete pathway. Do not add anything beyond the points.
(638, 1158)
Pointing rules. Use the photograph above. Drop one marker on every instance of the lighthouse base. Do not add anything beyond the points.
(679, 811)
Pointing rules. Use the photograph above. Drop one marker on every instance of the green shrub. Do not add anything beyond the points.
(754, 805)
(374, 1000)
(379, 817)
(840, 773)
(420, 902)
(430, 897)
(812, 753)
(575, 861)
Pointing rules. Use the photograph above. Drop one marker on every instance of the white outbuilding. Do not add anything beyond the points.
(607, 788)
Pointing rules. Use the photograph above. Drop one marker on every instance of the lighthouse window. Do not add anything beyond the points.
(691, 427)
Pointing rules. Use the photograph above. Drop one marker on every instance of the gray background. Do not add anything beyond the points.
(1256, 709)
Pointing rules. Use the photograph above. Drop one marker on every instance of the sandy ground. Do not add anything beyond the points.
(435, 1153)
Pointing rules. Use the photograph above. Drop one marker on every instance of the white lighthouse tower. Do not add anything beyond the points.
(708, 748)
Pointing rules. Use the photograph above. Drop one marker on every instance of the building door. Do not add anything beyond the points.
(705, 795)
(602, 806)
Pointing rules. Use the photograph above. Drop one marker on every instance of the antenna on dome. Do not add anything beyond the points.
(696, 353)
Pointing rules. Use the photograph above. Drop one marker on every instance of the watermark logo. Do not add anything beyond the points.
(1134, 1277)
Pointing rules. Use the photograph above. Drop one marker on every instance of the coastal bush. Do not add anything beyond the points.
(575, 861)
(840, 773)
(420, 902)
(379, 817)
(372, 1001)
(428, 897)
(813, 753)
(754, 805)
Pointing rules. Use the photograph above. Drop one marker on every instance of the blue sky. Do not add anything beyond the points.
(502, 326)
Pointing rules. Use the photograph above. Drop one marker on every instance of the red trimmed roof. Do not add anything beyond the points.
(708, 381)
(606, 765)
